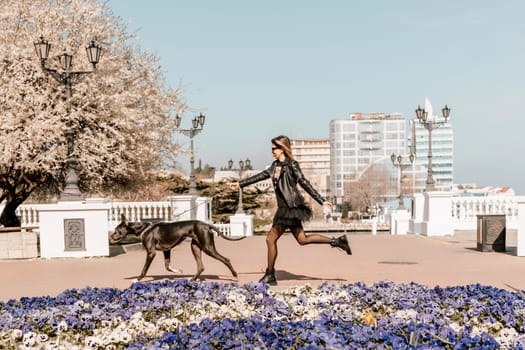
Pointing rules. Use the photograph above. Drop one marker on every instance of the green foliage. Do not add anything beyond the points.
(207, 171)
(225, 200)
(180, 186)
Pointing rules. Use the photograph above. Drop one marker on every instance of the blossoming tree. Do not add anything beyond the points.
(120, 115)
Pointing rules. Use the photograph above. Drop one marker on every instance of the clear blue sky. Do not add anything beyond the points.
(258, 69)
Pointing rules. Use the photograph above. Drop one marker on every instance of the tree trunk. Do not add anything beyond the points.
(16, 187)
(8, 217)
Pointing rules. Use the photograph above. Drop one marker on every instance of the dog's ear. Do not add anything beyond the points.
(123, 219)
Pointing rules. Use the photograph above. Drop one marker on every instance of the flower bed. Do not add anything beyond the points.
(186, 315)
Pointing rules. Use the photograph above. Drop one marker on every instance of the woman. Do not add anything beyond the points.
(291, 207)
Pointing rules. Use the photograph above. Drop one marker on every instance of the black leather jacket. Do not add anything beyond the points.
(290, 176)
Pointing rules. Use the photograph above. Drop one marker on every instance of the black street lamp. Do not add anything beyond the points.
(196, 127)
(243, 165)
(397, 161)
(422, 116)
(68, 78)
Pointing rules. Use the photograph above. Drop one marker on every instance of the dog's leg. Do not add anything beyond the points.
(196, 250)
(212, 251)
(149, 258)
(167, 261)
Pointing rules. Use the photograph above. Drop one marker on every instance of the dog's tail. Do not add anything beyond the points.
(219, 233)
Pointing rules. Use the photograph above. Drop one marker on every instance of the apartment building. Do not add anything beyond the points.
(313, 156)
(359, 141)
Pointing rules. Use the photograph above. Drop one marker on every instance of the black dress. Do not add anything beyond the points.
(286, 217)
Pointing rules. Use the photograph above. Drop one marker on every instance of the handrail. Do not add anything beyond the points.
(18, 228)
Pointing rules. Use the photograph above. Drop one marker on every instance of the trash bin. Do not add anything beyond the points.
(491, 233)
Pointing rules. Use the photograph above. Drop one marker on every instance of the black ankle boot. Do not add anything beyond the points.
(342, 243)
(269, 277)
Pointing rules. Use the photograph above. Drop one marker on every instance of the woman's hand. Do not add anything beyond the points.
(328, 205)
(234, 186)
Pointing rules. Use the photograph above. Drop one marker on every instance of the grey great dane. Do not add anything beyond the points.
(166, 235)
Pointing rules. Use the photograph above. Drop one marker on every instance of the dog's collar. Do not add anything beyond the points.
(149, 225)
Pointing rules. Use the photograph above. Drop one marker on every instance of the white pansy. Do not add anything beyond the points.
(341, 294)
(236, 297)
(62, 326)
(29, 339)
(17, 334)
(43, 337)
(506, 337)
(449, 312)
(168, 324)
(93, 342)
(456, 327)
(53, 345)
(495, 327)
(476, 331)
(298, 310)
(177, 311)
(407, 314)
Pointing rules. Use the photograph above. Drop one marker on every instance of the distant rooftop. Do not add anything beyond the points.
(375, 116)
(475, 190)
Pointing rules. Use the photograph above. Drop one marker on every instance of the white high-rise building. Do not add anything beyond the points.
(442, 152)
(360, 141)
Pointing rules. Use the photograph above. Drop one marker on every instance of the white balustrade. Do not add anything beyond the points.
(134, 211)
(225, 229)
(29, 214)
(465, 210)
(137, 211)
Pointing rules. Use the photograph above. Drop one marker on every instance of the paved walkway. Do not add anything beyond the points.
(444, 261)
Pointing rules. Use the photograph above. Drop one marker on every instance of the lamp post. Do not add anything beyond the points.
(397, 161)
(196, 127)
(243, 165)
(68, 78)
(422, 116)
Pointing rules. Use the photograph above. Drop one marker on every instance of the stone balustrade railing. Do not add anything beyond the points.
(138, 211)
(464, 210)
(134, 211)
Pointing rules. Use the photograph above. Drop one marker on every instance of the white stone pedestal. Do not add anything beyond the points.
(203, 209)
(74, 229)
(188, 207)
(399, 222)
(520, 245)
(437, 216)
(374, 225)
(241, 225)
(418, 207)
(183, 207)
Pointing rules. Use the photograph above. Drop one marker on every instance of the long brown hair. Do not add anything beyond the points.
(283, 142)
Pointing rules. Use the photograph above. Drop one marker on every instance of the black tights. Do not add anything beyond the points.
(298, 232)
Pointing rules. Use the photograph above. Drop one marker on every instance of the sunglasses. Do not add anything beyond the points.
(275, 147)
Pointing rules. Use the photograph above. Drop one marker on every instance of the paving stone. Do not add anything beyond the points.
(431, 261)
